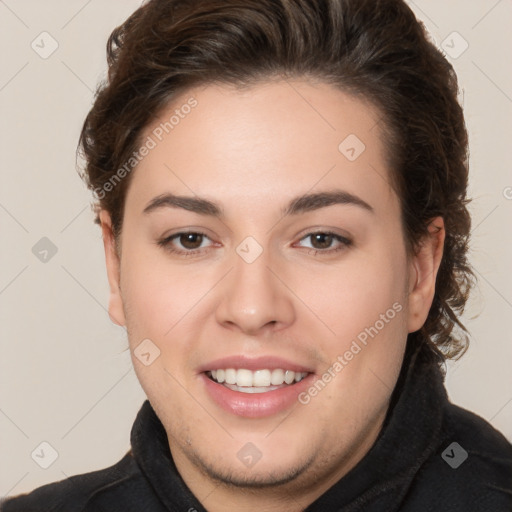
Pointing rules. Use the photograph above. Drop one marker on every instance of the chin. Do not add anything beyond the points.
(256, 475)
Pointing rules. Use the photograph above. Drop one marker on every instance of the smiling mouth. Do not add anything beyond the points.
(259, 381)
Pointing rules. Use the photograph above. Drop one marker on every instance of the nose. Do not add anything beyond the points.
(253, 299)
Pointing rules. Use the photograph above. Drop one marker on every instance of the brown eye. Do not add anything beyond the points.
(324, 242)
(321, 240)
(187, 243)
(191, 240)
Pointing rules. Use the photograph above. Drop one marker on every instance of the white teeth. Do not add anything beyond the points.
(251, 389)
(289, 376)
(277, 377)
(243, 378)
(259, 380)
(230, 376)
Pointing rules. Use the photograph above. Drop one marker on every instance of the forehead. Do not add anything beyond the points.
(267, 143)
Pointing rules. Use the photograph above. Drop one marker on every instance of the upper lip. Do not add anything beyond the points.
(254, 363)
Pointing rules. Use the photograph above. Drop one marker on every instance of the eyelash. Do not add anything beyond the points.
(166, 243)
(343, 241)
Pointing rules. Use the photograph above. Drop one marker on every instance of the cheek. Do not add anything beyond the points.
(364, 307)
(160, 298)
(355, 295)
(365, 311)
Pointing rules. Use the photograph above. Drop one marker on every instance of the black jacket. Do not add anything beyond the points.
(417, 464)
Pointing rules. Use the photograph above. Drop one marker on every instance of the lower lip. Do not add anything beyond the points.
(255, 405)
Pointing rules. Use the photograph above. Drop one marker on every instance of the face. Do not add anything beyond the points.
(262, 254)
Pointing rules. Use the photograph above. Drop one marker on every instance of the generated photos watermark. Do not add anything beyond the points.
(150, 143)
(357, 345)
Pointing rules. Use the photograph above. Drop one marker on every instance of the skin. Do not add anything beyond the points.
(251, 152)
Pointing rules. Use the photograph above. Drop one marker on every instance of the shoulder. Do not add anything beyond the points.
(82, 493)
(470, 471)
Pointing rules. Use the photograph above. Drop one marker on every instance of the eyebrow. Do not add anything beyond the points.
(309, 202)
(301, 204)
(192, 204)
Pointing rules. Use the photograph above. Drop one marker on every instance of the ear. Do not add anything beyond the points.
(113, 263)
(423, 272)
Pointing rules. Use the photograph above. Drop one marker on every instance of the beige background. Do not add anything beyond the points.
(65, 373)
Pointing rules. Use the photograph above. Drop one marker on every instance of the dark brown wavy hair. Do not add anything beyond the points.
(374, 49)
